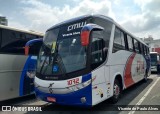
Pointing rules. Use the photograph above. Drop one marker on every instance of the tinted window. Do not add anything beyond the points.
(35, 48)
(97, 49)
(140, 46)
(97, 55)
(136, 46)
(0, 36)
(119, 43)
(63, 52)
(130, 44)
(13, 42)
(107, 29)
(145, 49)
(106, 24)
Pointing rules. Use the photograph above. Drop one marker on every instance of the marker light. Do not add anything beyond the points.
(85, 38)
(51, 99)
(31, 74)
(26, 50)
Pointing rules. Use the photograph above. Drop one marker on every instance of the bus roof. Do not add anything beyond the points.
(79, 18)
(100, 16)
(19, 30)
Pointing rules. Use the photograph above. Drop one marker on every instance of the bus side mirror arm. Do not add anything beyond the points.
(29, 43)
(85, 32)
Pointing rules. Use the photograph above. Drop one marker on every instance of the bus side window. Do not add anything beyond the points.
(136, 46)
(130, 43)
(97, 47)
(148, 50)
(0, 36)
(141, 49)
(145, 50)
(119, 42)
(11, 42)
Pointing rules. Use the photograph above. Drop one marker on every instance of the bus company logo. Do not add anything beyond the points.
(76, 25)
(50, 87)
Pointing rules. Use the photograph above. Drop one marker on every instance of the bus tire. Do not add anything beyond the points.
(116, 92)
(145, 77)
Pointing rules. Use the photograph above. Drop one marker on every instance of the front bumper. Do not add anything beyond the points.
(73, 98)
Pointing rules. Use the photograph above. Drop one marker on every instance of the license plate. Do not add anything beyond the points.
(51, 99)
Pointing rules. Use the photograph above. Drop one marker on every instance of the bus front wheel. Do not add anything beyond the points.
(116, 92)
(145, 77)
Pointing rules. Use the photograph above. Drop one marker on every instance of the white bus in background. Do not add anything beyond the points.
(86, 60)
(155, 57)
(14, 64)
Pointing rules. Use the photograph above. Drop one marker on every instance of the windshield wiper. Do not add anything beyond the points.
(46, 55)
(43, 64)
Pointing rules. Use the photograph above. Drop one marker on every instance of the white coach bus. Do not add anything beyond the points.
(86, 60)
(14, 64)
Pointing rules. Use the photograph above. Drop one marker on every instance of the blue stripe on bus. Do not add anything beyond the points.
(86, 77)
(23, 76)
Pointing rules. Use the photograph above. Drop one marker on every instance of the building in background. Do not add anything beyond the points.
(154, 44)
(3, 21)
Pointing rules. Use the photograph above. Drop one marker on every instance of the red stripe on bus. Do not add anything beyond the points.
(128, 76)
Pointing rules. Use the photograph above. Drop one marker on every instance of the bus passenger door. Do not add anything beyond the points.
(98, 55)
(95, 34)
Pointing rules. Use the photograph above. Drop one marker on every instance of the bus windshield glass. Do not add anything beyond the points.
(61, 52)
(154, 59)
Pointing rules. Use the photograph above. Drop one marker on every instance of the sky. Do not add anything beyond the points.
(139, 17)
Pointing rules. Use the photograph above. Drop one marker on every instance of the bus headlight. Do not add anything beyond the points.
(80, 86)
(86, 83)
(31, 74)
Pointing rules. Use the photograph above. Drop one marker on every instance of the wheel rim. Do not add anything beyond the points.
(116, 90)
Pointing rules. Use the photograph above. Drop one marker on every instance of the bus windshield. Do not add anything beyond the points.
(154, 59)
(61, 53)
